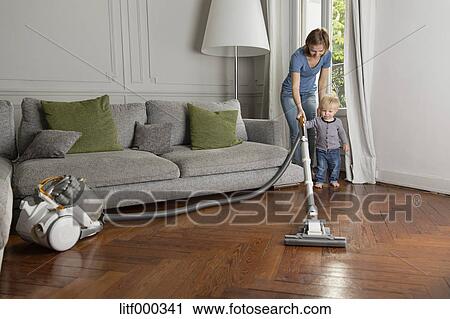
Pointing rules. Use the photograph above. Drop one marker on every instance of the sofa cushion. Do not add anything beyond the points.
(154, 138)
(6, 201)
(212, 129)
(99, 169)
(7, 131)
(33, 121)
(243, 157)
(92, 118)
(50, 144)
(176, 112)
(124, 115)
(241, 132)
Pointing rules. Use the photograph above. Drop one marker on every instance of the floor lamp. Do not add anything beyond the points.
(235, 28)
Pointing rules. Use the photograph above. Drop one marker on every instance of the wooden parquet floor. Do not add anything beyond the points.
(203, 256)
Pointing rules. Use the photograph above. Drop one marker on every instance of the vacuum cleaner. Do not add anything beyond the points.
(65, 210)
(313, 231)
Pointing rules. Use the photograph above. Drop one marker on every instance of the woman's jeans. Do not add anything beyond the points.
(309, 104)
(328, 160)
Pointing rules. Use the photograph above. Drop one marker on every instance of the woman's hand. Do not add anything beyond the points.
(300, 113)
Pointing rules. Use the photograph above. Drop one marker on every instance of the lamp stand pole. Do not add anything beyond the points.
(236, 72)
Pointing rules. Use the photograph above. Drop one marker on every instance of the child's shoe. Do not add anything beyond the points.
(334, 184)
(318, 185)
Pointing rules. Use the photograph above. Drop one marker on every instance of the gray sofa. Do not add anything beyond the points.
(129, 177)
(7, 153)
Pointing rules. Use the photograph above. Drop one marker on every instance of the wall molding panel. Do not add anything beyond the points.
(48, 52)
(130, 49)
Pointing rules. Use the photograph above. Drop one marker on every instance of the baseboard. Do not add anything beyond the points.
(429, 183)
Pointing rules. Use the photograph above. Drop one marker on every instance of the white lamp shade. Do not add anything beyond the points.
(235, 23)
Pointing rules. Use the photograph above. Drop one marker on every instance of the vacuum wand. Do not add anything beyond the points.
(306, 160)
(313, 231)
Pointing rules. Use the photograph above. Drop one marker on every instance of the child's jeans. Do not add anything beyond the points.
(331, 160)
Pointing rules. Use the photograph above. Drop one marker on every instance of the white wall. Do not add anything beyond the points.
(132, 50)
(410, 101)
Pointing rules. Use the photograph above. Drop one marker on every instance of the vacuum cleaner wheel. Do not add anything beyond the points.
(64, 233)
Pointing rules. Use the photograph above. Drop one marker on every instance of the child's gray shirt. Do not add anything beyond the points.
(328, 134)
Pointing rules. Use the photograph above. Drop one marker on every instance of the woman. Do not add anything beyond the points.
(298, 93)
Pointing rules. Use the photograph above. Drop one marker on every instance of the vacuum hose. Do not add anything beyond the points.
(117, 217)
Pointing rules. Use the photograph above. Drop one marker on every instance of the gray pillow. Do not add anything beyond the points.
(50, 144)
(153, 138)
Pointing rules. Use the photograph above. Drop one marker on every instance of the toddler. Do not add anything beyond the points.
(330, 135)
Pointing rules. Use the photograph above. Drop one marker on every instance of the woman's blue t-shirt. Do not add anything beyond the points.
(299, 64)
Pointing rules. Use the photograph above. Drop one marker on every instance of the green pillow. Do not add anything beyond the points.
(92, 118)
(212, 129)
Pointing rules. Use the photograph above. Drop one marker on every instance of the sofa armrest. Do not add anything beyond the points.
(264, 131)
(6, 200)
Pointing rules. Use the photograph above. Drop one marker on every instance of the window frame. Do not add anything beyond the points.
(326, 22)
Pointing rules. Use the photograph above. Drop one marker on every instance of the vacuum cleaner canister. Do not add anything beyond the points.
(64, 211)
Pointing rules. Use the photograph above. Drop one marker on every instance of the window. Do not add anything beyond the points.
(331, 15)
(337, 26)
(312, 16)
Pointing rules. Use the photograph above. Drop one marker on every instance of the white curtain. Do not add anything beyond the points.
(359, 53)
(284, 38)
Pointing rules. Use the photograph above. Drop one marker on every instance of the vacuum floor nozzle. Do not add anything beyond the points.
(324, 238)
(302, 240)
